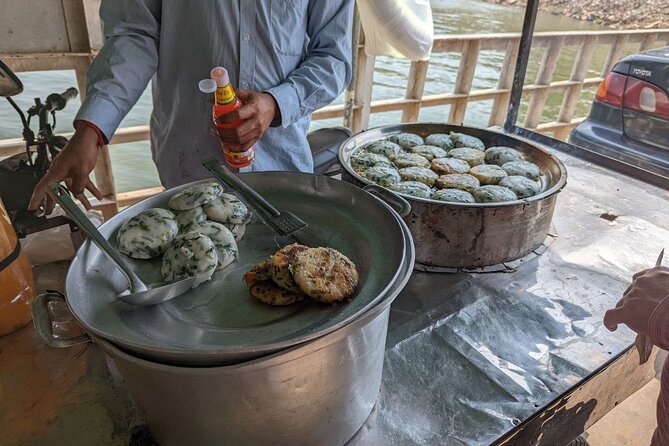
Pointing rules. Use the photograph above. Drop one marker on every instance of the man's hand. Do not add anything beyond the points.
(258, 111)
(72, 165)
(648, 289)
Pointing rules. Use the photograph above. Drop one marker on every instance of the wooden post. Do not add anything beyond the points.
(364, 80)
(648, 41)
(104, 176)
(581, 66)
(415, 85)
(615, 53)
(357, 37)
(544, 77)
(501, 102)
(463, 82)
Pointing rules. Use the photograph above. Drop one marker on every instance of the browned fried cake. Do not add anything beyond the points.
(325, 274)
(265, 290)
(280, 264)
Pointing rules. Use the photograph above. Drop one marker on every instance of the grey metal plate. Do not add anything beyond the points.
(553, 178)
(219, 323)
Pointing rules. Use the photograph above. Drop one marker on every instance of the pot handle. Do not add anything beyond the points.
(44, 321)
(399, 204)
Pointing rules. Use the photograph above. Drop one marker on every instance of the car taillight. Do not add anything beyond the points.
(611, 89)
(644, 97)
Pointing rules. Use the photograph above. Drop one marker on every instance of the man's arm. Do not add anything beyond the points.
(126, 63)
(116, 79)
(317, 81)
(326, 69)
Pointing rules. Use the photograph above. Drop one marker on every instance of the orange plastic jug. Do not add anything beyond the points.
(17, 288)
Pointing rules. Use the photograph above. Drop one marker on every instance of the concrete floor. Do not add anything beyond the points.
(631, 423)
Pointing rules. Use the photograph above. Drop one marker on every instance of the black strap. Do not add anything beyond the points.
(4, 263)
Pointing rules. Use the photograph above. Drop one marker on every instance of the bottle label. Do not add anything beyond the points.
(240, 159)
(225, 95)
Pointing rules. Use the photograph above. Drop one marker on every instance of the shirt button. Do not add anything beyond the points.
(245, 84)
(247, 37)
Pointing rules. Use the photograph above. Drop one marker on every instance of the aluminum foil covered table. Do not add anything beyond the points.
(517, 357)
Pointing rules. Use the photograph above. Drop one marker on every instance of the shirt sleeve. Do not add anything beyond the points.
(126, 63)
(658, 324)
(326, 69)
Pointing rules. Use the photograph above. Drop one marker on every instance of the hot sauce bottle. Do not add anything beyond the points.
(225, 102)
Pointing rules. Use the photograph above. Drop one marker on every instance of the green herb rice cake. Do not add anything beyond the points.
(402, 160)
(413, 188)
(406, 140)
(383, 147)
(462, 140)
(421, 174)
(453, 196)
(147, 234)
(384, 176)
(428, 152)
(190, 217)
(363, 159)
(227, 209)
(522, 168)
(223, 238)
(493, 194)
(473, 157)
(522, 186)
(195, 196)
(502, 155)
(461, 181)
(488, 173)
(190, 254)
(440, 140)
(445, 166)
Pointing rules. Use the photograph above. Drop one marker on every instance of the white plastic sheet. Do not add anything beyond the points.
(399, 28)
(54, 244)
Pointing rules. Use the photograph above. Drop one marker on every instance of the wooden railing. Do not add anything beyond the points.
(359, 103)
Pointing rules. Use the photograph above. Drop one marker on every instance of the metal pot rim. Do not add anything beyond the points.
(393, 287)
(295, 351)
(556, 188)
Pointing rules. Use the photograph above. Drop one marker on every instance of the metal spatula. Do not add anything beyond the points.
(283, 223)
(138, 293)
(643, 343)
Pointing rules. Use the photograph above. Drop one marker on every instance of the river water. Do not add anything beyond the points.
(133, 168)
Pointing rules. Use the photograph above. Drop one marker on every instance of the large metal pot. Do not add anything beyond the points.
(320, 392)
(317, 394)
(457, 235)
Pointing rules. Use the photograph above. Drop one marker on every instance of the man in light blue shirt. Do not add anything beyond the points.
(287, 58)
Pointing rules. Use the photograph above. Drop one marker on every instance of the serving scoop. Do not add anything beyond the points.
(138, 292)
(643, 343)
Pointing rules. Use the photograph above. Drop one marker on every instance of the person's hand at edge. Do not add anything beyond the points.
(73, 166)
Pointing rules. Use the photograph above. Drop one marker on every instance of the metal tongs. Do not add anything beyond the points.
(643, 343)
(284, 223)
(138, 293)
